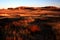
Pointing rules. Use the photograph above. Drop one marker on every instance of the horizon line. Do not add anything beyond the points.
(25, 6)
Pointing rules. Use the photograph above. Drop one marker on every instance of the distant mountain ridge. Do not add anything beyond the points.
(23, 7)
(29, 11)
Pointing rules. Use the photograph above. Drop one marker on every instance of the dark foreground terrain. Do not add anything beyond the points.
(30, 28)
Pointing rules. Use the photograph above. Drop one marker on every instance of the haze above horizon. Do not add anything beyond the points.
(30, 3)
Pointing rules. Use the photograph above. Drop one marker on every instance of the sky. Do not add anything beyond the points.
(31, 3)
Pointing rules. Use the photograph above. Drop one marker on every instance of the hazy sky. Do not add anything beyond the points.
(16, 3)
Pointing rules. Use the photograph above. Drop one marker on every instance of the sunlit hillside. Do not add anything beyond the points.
(30, 11)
